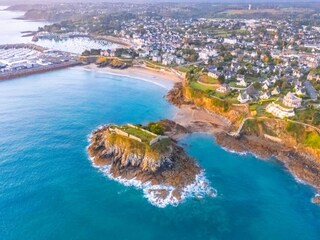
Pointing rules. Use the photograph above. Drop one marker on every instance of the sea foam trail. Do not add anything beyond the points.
(199, 189)
(144, 79)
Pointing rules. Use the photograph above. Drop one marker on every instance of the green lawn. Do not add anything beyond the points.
(201, 87)
(209, 80)
(313, 140)
(252, 79)
(144, 136)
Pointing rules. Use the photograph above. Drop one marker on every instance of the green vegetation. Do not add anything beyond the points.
(313, 140)
(204, 78)
(309, 115)
(315, 71)
(155, 128)
(310, 139)
(92, 52)
(251, 126)
(144, 136)
(201, 87)
(162, 146)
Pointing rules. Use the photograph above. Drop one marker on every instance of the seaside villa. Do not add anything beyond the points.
(290, 100)
(224, 88)
(244, 97)
(279, 111)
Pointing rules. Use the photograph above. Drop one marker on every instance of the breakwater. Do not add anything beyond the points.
(42, 69)
(23, 45)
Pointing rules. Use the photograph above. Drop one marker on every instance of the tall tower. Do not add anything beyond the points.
(249, 8)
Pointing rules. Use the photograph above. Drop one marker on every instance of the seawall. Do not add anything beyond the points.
(43, 69)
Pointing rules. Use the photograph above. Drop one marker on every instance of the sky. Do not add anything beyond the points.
(11, 2)
(14, 2)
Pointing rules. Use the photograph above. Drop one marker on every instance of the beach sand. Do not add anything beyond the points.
(198, 120)
(195, 119)
(139, 72)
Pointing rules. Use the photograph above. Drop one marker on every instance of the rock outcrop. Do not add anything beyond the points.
(163, 164)
(301, 164)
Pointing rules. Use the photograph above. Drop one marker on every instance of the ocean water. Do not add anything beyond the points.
(50, 190)
(12, 28)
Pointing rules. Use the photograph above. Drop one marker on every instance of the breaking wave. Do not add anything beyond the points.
(163, 195)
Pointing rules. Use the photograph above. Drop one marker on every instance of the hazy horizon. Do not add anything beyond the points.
(8, 2)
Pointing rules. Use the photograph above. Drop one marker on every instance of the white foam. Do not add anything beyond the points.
(144, 79)
(242, 153)
(200, 188)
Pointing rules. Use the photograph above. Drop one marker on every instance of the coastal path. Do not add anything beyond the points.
(237, 133)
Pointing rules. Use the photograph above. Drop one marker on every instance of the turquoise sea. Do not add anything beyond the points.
(49, 189)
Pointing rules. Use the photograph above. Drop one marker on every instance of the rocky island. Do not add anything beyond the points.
(142, 156)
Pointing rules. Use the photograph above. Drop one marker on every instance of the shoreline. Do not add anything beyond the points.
(37, 70)
(166, 177)
(193, 118)
(163, 78)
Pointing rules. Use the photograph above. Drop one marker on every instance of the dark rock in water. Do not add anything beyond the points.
(316, 200)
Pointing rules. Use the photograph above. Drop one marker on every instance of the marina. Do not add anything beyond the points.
(17, 60)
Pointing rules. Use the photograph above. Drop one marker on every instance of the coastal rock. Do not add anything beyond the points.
(173, 129)
(301, 164)
(176, 96)
(316, 200)
(163, 166)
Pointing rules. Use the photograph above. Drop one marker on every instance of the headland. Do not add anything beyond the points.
(146, 157)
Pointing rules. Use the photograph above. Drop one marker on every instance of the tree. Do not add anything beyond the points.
(257, 85)
(156, 128)
(221, 79)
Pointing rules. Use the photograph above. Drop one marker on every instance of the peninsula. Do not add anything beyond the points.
(142, 156)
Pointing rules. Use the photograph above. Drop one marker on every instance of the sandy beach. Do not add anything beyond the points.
(195, 119)
(198, 120)
(139, 72)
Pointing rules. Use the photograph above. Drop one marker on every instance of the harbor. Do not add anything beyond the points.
(19, 60)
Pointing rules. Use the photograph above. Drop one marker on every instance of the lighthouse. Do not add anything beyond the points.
(249, 7)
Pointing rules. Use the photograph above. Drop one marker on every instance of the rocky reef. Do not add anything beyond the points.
(164, 171)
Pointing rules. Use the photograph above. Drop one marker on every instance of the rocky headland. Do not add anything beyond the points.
(265, 138)
(162, 169)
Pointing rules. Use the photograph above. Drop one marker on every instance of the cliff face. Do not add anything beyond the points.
(301, 160)
(232, 113)
(162, 164)
(181, 95)
(300, 156)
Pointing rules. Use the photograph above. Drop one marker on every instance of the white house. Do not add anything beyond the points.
(230, 41)
(156, 58)
(265, 96)
(279, 111)
(275, 91)
(290, 100)
(244, 97)
(242, 83)
(223, 88)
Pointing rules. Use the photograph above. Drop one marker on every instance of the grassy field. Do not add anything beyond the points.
(144, 136)
(313, 140)
(201, 87)
(206, 79)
